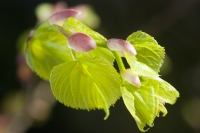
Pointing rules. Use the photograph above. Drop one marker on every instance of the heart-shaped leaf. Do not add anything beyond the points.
(90, 83)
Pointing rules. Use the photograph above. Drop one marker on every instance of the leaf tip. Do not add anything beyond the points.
(107, 114)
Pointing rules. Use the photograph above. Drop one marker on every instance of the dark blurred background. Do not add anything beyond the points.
(175, 24)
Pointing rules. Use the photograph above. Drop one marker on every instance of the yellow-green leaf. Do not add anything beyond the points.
(148, 50)
(144, 105)
(102, 53)
(72, 25)
(140, 68)
(46, 49)
(167, 93)
(90, 83)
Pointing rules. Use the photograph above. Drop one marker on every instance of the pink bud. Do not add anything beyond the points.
(161, 101)
(81, 42)
(130, 77)
(63, 15)
(121, 45)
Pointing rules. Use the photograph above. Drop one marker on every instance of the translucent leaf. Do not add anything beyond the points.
(140, 68)
(72, 25)
(148, 50)
(144, 105)
(104, 53)
(86, 84)
(46, 49)
(129, 99)
(167, 93)
(99, 52)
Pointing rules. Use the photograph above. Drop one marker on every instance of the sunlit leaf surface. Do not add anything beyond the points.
(72, 25)
(86, 84)
(167, 93)
(89, 81)
(148, 50)
(46, 49)
(140, 68)
(147, 102)
(141, 103)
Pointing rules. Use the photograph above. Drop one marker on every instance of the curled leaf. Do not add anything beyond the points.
(63, 15)
(121, 45)
(141, 103)
(81, 42)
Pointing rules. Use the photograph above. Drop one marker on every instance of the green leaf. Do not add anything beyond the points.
(167, 93)
(129, 99)
(72, 25)
(148, 101)
(148, 50)
(140, 68)
(141, 103)
(86, 84)
(46, 49)
(102, 53)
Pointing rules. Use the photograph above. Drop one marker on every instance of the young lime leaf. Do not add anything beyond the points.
(103, 53)
(81, 42)
(149, 52)
(129, 99)
(121, 45)
(167, 93)
(140, 68)
(72, 25)
(61, 15)
(86, 84)
(130, 77)
(46, 49)
(141, 103)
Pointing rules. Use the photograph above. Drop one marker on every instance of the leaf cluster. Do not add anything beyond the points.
(88, 80)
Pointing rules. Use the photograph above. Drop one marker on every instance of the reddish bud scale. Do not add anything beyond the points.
(121, 45)
(81, 42)
(63, 15)
(130, 77)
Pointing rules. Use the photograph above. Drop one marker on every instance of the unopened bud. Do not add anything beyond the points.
(81, 42)
(130, 77)
(63, 15)
(161, 101)
(121, 45)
